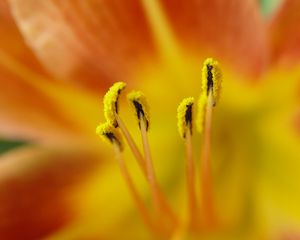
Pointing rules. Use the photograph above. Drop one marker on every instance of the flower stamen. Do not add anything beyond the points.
(139, 103)
(166, 222)
(111, 103)
(185, 119)
(112, 117)
(211, 87)
(109, 134)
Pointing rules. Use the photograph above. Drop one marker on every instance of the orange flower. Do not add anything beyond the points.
(58, 57)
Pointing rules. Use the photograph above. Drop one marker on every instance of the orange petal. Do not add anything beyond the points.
(285, 33)
(28, 114)
(94, 42)
(102, 41)
(12, 42)
(231, 30)
(36, 188)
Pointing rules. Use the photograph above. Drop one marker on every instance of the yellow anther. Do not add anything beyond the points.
(201, 112)
(111, 102)
(109, 134)
(211, 79)
(185, 116)
(138, 101)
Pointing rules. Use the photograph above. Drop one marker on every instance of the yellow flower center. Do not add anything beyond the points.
(163, 220)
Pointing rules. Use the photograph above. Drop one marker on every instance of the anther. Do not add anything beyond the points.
(185, 118)
(111, 103)
(109, 134)
(211, 87)
(211, 84)
(138, 101)
(185, 115)
(211, 79)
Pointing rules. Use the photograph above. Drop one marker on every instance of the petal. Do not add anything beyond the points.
(92, 41)
(96, 42)
(231, 29)
(12, 41)
(36, 189)
(285, 33)
(26, 113)
(34, 108)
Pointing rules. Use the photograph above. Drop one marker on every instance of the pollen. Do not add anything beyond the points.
(185, 116)
(111, 103)
(139, 103)
(211, 78)
(109, 134)
(201, 112)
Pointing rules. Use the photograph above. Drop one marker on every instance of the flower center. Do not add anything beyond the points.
(163, 220)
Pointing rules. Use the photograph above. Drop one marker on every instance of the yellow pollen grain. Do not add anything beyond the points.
(140, 105)
(109, 134)
(182, 109)
(111, 102)
(201, 112)
(211, 72)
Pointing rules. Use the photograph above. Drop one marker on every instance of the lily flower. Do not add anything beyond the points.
(57, 61)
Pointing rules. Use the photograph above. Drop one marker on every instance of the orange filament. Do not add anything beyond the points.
(133, 191)
(133, 147)
(206, 178)
(190, 173)
(159, 199)
(161, 205)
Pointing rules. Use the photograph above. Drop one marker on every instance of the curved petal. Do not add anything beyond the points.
(36, 186)
(28, 114)
(12, 41)
(34, 108)
(102, 41)
(285, 33)
(91, 41)
(233, 29)
(31, 108)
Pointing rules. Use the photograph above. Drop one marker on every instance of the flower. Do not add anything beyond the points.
(64, 183)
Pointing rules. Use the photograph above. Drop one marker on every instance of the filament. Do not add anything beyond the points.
(206, 178)
(136, 197)
(190, 172)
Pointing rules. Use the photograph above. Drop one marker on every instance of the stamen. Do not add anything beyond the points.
(211, 79)
(206, 178)
(132, 145)
(136, 196)
(111, 135)
(211, 87)
(111, 114)
(111, 103)
(185, 117)
(139, 102)
(166, 221)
